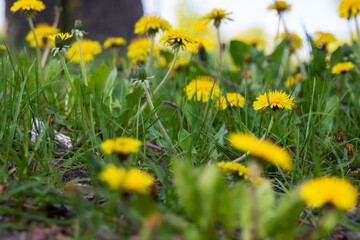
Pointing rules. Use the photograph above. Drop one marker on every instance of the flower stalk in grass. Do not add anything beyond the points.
(149, 61)
(220, 55)
(38, 52)
(79, 34)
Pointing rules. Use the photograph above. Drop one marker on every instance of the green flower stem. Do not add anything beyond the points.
(67, 74)
(261, 139)
(38, 54)
(220, 55)
(148, 63)
(163, 131)
(357, 28)
(352, 95)
(82, 63)
(157, 88)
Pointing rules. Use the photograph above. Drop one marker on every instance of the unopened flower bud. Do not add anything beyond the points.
(59, 43)
(141, 73)
(78, 25)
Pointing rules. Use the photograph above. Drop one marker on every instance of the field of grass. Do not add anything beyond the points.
(61, 179)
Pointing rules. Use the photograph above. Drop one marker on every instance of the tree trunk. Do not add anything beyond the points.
(100, 19)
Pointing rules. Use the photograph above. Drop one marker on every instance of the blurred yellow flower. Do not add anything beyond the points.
(176, 39)
(3, 48)
(89, 48)
(200, 88)
(114, 42)
(332, 190)
(113, 176)
(162, 61)
(280, 6)
(200, 26)
(27, 5)
(151, 24)
(233, 99)
(274, 99)
(201, 42)
(342, 67)
(349, 8)
(261, 149)
(122, 145)
(180, 62)
(291, 81)
(137, 181)
(295, 41)
(323, 39)
(138, 49)
(230, 167)
(42, 31)
(217, 16)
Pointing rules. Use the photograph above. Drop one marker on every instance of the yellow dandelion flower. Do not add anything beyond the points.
(89, 48)
(137, 181)
(261, 149)
(234, 100)
(27, 5)
(114, 42)
(200, 26)
(42, 31)
(113, 176)
(349, 8)
(138, 49)
(230, 167)
(108, 146)
(280, 6)
(151, 24)
(332, 190)
(63, 36)
(295, 41)
(217, 16)
(180, 62)
(254, 41)
(323, 39)
(162, 61)
(274, 99)
(201, 42)
(176, 38)
(3, 48)
(342, 67)
(126, 145)
(200, 88)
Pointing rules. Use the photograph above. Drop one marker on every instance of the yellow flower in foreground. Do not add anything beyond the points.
(122, 145)
(295, 41)
(114, 42)
(274, 99)
(241, 170)
(233, 99)
(151, 24)
(137, 181)
(113, 176)
(42, 31)
(200, 88)
(336, 191)
(323, 39)
(342, 67)
(28, 5)
(217, 15)
(138, 49)
(349, 8)
(63, 36)
(261, 149)
(280, 6)
(177, 38)
(89, 48)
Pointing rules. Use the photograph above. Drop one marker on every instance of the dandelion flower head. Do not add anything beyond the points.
(122, 145)
(200, 26)
(113, 176)
(332, 190)
(274, 99)
(231, 167)
(42, 31)
(262, 149)
(201, 87)
(295, 41)
(217, 16)
(151, 24)
(323, 39)
(89, 49)
(342, 67)
(291, 81)
(232, 100)
(114, 42)
(137, 181)
(177, 38)
(201, 42)
(27, 5)
(63, 36)
(349, 8)
(138, 49)
(280, 6)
